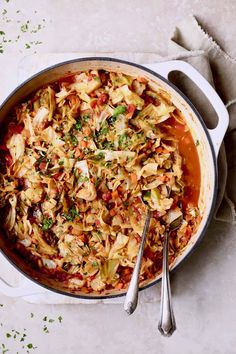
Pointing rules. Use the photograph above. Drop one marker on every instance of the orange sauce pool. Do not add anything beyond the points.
(191, 163)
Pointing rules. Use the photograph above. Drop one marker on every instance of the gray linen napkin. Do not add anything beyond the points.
(192, 44)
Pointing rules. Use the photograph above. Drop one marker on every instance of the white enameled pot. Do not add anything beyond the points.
(210, 141)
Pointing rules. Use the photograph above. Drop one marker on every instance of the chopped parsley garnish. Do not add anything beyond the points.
(47, 224)
(45, 329)
(61, 162)
(83, 179)
(197, 143)
(87, 151)
(4, 350)
(67, 216)
(85, 117)
(119, 110)
(66, 266)
(112, 120)
(74, 141)
(78, 125)
(70, 138)
(24, 28)
(123, 140)
(67, 137)
(60, 319)
(100, 156)
(71, 214)
(147, 195)
(98, 181)
(108, 145)
(108, 164)
(104, 131)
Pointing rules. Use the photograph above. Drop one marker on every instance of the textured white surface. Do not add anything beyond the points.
(205, 286)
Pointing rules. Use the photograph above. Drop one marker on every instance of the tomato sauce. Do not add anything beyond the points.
(191, 163)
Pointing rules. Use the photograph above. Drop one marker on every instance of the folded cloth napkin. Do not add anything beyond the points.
(192, 44)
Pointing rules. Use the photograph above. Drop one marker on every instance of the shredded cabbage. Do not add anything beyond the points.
(79, 157)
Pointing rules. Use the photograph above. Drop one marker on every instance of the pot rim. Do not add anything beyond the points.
(200, 119)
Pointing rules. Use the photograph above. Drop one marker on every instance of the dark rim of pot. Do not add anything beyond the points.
(108, 59)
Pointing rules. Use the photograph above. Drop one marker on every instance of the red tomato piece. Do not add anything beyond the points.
(57, 175)
(32, 220)
(130, 109)
(90, 77)
(79, 276)
(112, 212)
(159, 150)
(142, 80)
(73, 99)
(102, 98)
(93, 104)
(179, 126)
(149, 99)
(121, 190)
(188, 231)
(3, 147)
(9, 160)
(97, 223)
(42, 166)
(149, 145)
(15, 129)
(107, 196)
(149, 254)
(84, 144)
(156, 214)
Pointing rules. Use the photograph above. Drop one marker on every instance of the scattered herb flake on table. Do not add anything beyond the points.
(25, 27)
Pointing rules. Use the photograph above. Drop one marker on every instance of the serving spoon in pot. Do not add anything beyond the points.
(167, 316)
(167, 324)
(131, 298)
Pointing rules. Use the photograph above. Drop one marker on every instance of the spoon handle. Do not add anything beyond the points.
(167, 323)
(131, 298)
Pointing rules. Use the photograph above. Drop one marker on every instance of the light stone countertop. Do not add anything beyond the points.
(204, 288)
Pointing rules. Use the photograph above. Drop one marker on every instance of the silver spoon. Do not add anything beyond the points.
(131, 298)
(167, 323)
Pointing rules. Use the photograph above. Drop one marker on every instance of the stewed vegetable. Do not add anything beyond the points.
(75, 160)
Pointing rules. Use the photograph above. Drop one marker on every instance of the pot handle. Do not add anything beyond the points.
(26, 288)
(216, 134)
